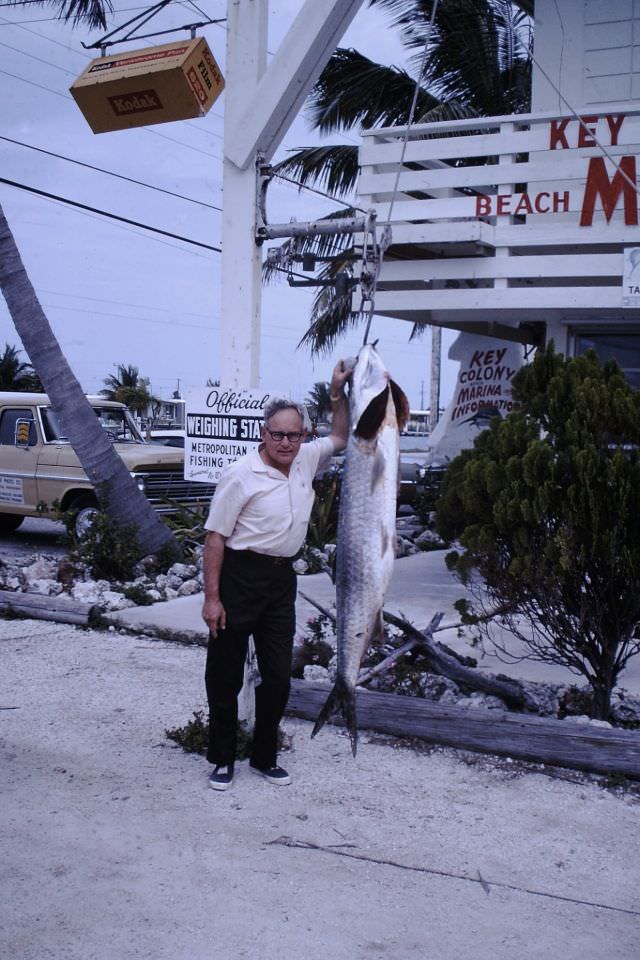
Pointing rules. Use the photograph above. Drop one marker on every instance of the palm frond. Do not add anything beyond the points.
(479, 51)
(354, 91)
(331, 315)
(330, 318)
(91, 12)
(333, 168)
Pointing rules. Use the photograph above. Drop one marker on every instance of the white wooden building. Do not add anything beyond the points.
(538, 235)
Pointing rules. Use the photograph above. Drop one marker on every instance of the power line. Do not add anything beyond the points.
(292, 331)
(65, 47)
(111, 216)
(119, 316)
(110, 173)
(118, 303)
(32, 83)
(156, 133)
(57, 19)
(321, 193)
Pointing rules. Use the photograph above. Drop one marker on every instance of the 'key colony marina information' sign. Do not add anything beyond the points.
(221, 424)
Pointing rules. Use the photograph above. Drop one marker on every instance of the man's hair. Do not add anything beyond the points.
(276, 404)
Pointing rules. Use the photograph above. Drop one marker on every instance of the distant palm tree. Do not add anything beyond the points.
(127, 386)
(15, 374)
(117, 492)
(319, 400)
(478, 64)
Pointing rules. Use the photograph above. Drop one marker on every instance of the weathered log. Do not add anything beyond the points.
(400, 651)
(443, 662)
(446, 665)
(522, 736)
(61, 609)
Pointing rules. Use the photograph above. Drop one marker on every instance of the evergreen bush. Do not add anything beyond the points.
(546, 509)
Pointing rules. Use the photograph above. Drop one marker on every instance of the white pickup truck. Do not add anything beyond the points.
(39, 467)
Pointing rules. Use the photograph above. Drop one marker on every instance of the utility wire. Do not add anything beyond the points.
(111, 216)
(67, 97)
(405, 141)
(321, 193)
(156, 133)
(58, 19)
(32, 83)
(110, 173)
(582, 123)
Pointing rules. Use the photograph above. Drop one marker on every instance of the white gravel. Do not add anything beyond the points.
(114, 848)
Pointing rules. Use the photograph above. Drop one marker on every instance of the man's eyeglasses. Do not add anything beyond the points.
(279, 436)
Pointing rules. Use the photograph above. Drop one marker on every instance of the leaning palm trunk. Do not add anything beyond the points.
(116, 491)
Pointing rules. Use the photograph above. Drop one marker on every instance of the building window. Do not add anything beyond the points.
(623, 347)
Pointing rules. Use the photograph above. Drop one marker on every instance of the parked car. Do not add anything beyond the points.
(38, 466)
(415, 477)
(166, 438)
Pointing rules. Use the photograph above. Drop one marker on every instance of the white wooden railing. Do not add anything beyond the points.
(514, 214)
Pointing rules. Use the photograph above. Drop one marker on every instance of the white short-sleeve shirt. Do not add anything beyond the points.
(256, 507)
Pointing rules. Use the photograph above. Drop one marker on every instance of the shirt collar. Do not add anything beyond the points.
(259, 466)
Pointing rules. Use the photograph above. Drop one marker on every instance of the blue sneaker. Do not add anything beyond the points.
(273, 774)
(222, 777)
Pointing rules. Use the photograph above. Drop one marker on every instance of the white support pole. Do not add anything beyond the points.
(436, 368)
(241, 257)
(297, 64)
(260, 105)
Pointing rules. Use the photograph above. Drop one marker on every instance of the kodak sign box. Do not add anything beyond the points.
(174, 81)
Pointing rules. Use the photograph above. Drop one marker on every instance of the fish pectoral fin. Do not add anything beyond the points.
(379, 464)
(401, 403)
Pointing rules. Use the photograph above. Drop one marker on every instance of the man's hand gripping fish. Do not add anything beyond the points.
(366, 547)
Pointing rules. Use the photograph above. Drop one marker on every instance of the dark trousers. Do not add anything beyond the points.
(259, 596)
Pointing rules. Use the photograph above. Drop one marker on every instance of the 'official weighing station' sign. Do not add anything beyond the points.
(221, 425)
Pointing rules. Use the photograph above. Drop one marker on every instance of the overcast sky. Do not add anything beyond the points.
(119, 294)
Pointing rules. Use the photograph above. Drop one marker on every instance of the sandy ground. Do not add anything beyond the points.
(113, 846)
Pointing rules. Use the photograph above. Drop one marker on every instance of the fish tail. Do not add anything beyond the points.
(342, 698)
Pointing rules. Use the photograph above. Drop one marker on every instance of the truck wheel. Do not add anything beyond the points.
(9, 522)
(85, 510)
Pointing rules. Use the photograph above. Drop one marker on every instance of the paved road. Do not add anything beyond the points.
(33, 536)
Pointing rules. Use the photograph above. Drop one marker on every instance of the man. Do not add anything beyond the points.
(257, 524)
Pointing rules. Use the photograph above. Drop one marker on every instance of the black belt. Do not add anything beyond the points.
(267, 558)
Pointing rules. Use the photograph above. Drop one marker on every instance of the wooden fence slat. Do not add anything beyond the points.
(540, 298)
(474, 268)
(525, 737)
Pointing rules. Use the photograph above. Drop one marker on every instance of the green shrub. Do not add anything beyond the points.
(194, 737)
(546, 508)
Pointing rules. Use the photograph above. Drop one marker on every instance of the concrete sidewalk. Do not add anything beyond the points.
(420, 587)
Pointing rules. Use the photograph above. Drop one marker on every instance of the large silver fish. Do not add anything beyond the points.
(366, 543)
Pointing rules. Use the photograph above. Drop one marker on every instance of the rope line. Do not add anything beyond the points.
(386, 237)
(482, 881)
(584, 126)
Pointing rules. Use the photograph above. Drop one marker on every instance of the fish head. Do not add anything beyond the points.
(369, 389)
(370, 386)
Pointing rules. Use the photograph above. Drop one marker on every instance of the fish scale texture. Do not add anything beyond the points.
(366, 538)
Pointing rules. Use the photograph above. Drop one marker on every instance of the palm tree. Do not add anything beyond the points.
(116, 490)
(128, 387)
(319, 399)
(478, 64)
(15, 374)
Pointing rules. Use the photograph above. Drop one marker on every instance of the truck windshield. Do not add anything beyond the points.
(117, 422)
